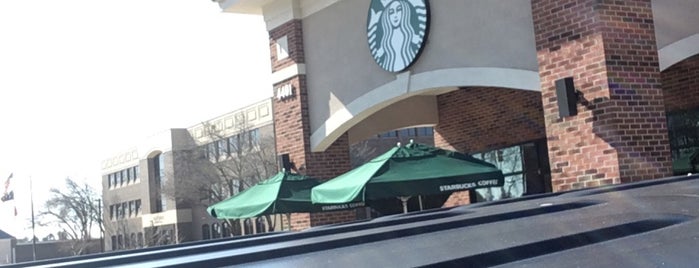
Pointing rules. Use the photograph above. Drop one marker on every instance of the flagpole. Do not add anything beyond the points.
(31, 196)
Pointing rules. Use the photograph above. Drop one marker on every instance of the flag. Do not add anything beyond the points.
(8, 194)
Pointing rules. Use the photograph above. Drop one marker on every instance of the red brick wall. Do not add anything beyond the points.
(681, 85)
(620, 132)
(293, 130)
(294, 33)
(481, 119)
(333, 217)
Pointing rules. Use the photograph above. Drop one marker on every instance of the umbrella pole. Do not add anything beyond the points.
(419, 198)
(404, 199)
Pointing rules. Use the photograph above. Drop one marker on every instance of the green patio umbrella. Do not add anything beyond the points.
(404, 171)
(283, 193)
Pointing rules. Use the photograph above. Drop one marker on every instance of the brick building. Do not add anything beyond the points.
(152, 192)
(484, 74)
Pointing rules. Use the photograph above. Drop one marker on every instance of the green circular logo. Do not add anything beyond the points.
(396, 32)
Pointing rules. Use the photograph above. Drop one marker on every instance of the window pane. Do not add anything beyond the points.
(118, 178)
(406, 132)
(222, 147)
(389, 134)
(215, 230)
(132, 208)
(137, 171)
(683, 128)
(513, 187)
(255, 135)
(511, 160)
(226, 229)
(212, 152)
(205, 234)
(426, 131)
(161, 165)
(137, 207)
(140, 239)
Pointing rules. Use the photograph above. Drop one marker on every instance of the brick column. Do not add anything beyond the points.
(292, 125)
(619, 134)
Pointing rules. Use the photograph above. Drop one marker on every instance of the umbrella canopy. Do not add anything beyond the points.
(283, 193)
(413, 169)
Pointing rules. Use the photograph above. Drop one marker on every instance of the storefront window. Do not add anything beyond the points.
(683, 127)
(509, 160)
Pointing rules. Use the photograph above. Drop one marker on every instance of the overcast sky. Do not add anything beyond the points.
(82, 80)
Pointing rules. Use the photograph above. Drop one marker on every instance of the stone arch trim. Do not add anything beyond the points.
(406, 85)
(153, 153)
(678, 51)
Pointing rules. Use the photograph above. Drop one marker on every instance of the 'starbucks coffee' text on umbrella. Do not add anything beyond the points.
(283, 193)
(413, 169)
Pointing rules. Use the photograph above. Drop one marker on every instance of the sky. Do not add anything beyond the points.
(83, 80)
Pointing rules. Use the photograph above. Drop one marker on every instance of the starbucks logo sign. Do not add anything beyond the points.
(396, 32)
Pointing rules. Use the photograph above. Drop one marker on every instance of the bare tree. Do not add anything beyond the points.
(230, 163)
(75, 211)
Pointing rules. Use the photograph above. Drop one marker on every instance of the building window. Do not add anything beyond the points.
(117, 207)
(215, 230)
(205, 233)
(119, 179)
(120, 241)
(260, 225)
(406, 132)
(233, 144)
(247, 226)
(425, 131)
(167, 237)
(127, 241)
(132, 208)
(140, 240)
(114, 242)
(136, 173)
(111, 212)
(109, 180)
(389, 134)
(509, 161)
(254, 136)
(128, 175)
(137, 207)
(683, 128)
(212, 152)
(222, 147)
(158, 164)
(226, 229)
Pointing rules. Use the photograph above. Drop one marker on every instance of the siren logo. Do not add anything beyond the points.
(396, 31)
